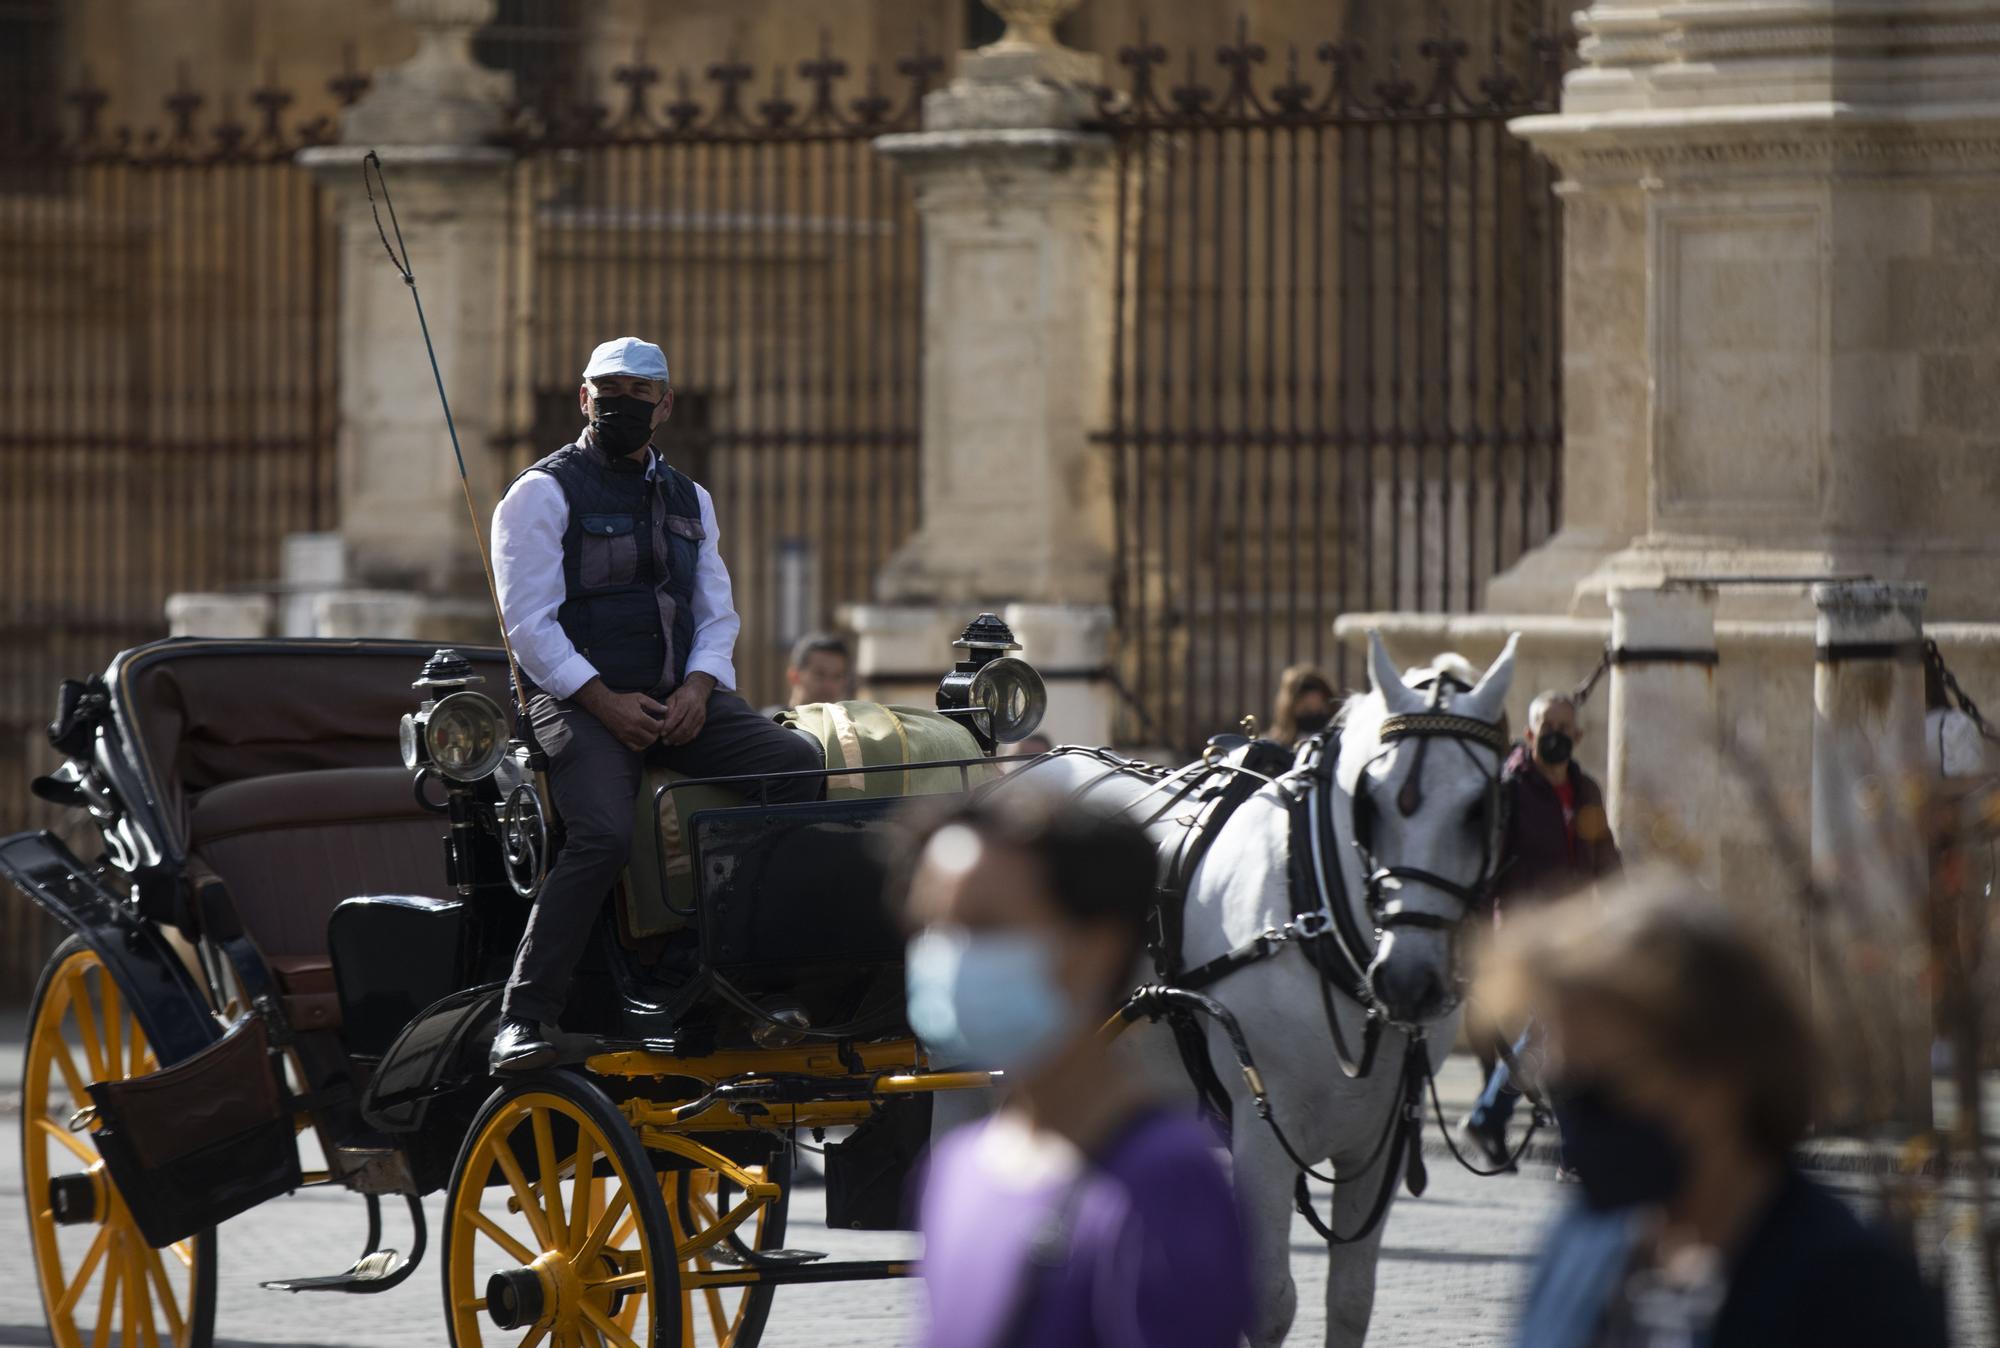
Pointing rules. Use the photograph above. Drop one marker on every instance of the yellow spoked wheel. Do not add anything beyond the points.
(698, 1201)
(557, 1226)
(100, 1281)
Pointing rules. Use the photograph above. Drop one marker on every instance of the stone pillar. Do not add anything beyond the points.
(1779, 285)
(1665, 789)
(402, 514)
(1869, 955)
(1019, 212)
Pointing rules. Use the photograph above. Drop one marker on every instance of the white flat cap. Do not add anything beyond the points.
(627, 355)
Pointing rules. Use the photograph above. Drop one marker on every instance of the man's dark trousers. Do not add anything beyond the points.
(595, 781)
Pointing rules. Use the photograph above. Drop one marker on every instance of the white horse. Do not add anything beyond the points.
(1429, 818)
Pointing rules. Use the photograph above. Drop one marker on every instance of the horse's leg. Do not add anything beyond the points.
(1350, 1268)
(1264, 1189)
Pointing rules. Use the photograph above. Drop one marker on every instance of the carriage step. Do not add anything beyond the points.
(747, 1258)
(368, 1271)
(857, 1270)
(377, 1270)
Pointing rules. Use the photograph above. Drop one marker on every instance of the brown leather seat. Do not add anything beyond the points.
(211, 714)
(290, 846)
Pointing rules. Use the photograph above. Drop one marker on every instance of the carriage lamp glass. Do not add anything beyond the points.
(464, 736)
(410, 740)
(1013, 697)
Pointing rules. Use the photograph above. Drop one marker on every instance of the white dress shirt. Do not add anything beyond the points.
(528, 527)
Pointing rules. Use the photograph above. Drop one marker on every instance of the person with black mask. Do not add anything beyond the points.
(619, 608)
(1682, 1066)
(1558, 840)
(1558, 836)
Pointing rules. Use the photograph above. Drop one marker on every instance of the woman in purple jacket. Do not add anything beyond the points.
(1085, 1212)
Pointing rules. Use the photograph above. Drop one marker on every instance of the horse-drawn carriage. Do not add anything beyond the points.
(289, 931)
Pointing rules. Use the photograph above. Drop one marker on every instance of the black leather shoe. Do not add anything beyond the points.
(521, 1046)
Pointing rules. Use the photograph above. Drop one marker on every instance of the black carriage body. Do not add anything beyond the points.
(251, 795)
(301, 928)
(790, 901)
(244, 790)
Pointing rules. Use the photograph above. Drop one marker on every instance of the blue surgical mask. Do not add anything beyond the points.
(987, 999)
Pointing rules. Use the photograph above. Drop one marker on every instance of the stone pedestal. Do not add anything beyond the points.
(1070, 644)
(313, 565)
(902, 650)
(402, 514)
(1019, 211)
(368, 613)
(1870, 979)
(1779, 285)
(1662, 790)
(218, 615)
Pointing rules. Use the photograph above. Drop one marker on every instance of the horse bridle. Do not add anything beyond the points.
(1434, 722)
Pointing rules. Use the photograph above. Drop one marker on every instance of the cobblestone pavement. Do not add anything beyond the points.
(1453, 1266)
(1453, 1260)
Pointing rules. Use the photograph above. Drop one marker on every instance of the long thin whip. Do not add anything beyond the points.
(399, 256)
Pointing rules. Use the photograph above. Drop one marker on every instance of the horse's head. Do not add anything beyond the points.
(1420, 760)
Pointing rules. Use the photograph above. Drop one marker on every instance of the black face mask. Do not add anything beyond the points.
(1312, 722)
(622, 425)
(1554, 748)
(1623, 1159)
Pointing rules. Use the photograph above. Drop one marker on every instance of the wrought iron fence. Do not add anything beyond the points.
(1337, 384)
(775, 256)
(166, 395)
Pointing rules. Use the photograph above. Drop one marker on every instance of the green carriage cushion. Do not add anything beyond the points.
(664, 869)
(851, 734)
(868, 734)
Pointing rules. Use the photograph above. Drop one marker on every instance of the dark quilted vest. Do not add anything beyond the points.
(629, 558)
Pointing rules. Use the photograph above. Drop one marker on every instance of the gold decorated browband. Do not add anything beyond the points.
(1419, 724)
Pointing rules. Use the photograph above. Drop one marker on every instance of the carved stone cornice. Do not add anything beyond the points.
(1759, 32)
(1876, 52)
(1800, 140)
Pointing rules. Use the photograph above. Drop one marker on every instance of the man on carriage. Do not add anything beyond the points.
(619, 608)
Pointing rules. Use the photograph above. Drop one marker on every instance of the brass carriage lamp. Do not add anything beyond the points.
(999, 695)
(459, 732)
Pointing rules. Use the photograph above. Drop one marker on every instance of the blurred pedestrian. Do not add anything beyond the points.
(1305, 704)
(1085, 1212)
(1030, 747)
(1558, 840)
(1681, 1064)
(820, 670)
